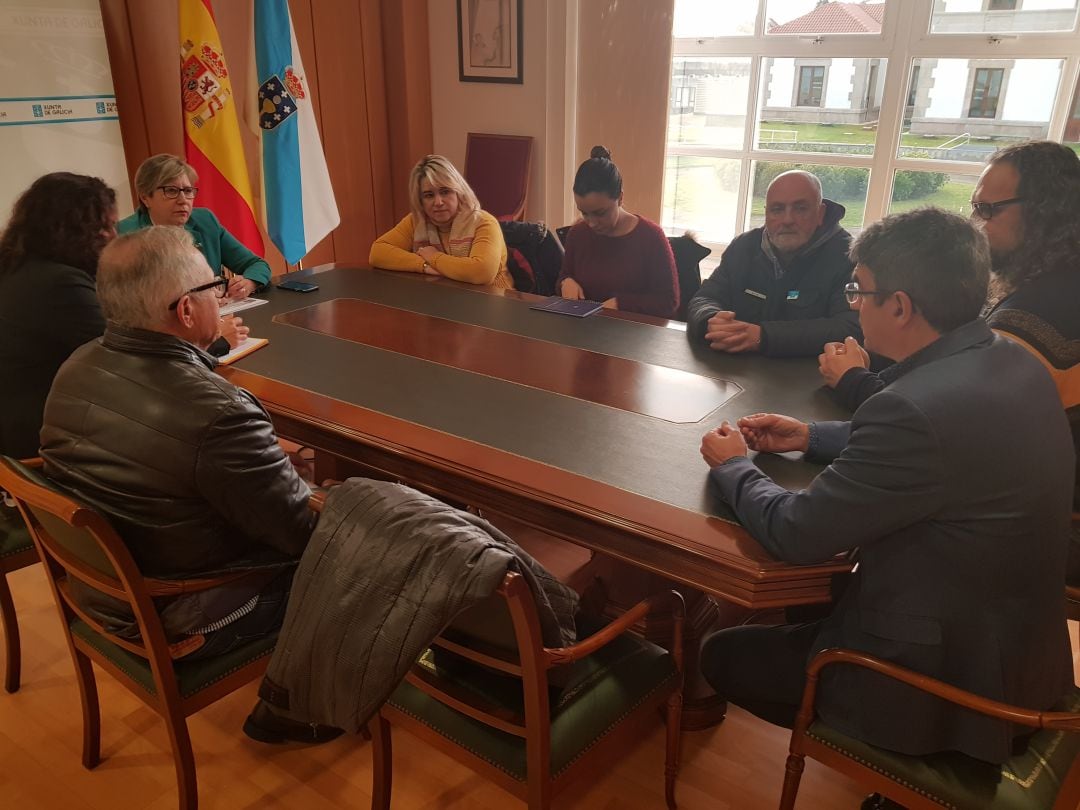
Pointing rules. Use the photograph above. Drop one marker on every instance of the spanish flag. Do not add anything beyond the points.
(211, 128)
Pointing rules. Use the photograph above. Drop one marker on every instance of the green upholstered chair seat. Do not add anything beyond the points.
(599, 691)
(192, 676)
(1028, 781)
(14, 536)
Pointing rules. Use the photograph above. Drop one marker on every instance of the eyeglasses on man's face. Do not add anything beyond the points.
(853, 294)
(218, 285)
(986, 210)
(172, 192)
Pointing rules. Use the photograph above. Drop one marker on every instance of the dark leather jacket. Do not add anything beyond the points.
(184, 463)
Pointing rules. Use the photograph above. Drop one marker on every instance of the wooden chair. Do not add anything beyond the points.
(494, 708)
(16, 551)
(1045, 776)
(77, 543)
(497, 168)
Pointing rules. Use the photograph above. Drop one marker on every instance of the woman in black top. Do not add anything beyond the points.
(48, 303)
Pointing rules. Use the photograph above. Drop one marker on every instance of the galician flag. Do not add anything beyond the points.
(211, 127)
(300, 205)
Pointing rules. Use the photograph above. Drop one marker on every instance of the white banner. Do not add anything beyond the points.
(57, 103)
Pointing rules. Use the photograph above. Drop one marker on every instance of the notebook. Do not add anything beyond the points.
(563, 306)
(233, 307)
(249, 345)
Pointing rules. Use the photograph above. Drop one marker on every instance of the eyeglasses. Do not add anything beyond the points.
(853, 294)
(172, 192)
(218, 285)
(986, 210)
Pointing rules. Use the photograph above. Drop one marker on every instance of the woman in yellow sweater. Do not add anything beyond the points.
(446, 234)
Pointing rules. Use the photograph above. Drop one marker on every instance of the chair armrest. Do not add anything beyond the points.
(1001, 711)
(666, 601)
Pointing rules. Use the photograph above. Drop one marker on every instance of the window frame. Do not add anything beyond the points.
(905, 35)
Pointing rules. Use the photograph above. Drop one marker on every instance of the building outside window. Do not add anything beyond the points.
(812, 84)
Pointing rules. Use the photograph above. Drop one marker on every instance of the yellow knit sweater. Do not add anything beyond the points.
(485, 264)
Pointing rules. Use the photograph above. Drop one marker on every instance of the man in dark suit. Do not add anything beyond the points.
(954, 483)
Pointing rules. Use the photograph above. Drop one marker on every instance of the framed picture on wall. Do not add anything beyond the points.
(490, 37)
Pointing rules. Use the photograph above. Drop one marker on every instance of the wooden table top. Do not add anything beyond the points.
(586, 427)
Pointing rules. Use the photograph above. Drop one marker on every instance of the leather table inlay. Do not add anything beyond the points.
(629, 385)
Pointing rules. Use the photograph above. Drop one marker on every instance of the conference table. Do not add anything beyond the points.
(586, 428)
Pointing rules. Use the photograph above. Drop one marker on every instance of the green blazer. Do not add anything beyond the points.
(218, 245)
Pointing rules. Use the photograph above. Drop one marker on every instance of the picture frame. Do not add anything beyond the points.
(490, 39)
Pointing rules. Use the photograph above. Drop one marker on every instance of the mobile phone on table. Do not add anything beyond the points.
(298, 286)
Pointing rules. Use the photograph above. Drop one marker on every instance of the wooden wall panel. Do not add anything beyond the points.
(344, 52)
(408, 92)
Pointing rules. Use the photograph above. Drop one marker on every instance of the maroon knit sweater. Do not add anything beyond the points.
(637, 269)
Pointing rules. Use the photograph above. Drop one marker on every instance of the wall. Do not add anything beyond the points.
(595, 71)
(458, 108)
(364, 73)
(624, 71)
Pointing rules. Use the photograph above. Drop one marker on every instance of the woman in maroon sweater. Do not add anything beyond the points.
(613, 256)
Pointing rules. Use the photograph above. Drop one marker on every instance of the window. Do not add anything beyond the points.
(813, 78)
(985, 93)
(811, 81)
(961, 106)
(1002, 16)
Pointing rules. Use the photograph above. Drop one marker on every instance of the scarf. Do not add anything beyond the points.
(459, 243)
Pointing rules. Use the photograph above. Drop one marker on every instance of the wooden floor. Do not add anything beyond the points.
(736, 765)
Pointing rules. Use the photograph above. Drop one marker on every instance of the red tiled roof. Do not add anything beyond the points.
(836, 18)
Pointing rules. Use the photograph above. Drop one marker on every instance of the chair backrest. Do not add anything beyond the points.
(502, 633)
(78, 544)
(497, 167)
(688, 255)
(534, 256)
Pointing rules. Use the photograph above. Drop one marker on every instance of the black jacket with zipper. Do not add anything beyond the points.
(799, 305)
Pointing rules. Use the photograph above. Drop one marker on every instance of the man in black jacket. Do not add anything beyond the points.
(779, 290)
(185, 464)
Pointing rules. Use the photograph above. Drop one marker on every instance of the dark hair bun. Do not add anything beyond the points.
(600, 152)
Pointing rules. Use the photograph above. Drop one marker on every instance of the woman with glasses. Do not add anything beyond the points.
(48, 304)
(167, 187)
(446, 234)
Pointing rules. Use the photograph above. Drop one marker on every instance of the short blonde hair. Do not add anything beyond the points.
(440, 172)
(157, 170)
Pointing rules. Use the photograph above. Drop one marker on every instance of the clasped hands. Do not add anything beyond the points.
(725, 334)
(764, 432)
(839, 358)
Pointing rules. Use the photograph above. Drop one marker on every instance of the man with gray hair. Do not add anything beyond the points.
(779, 289)
(956, 491)
(185, 464)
